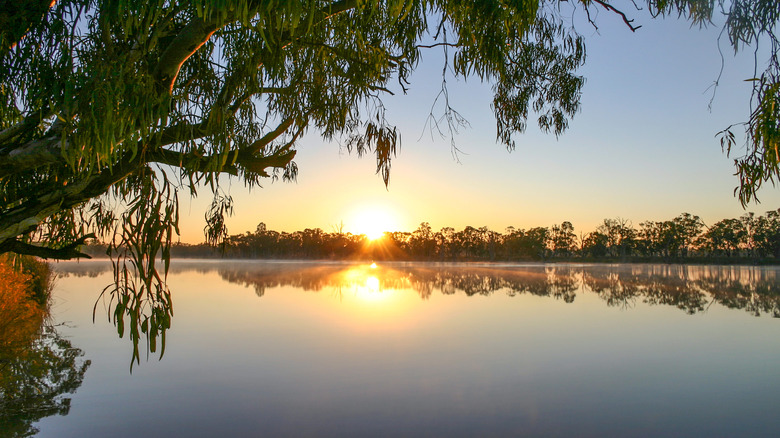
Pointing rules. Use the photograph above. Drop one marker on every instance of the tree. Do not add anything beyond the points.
(620, 236)
(469, 243)
(595, 244)
(762, 233)
(725, 237)
(562, 239)
(688, 228)
(422, 242)
(766, 235)
(671, 238)
(492, 240)
(532, 243)
(109, 110)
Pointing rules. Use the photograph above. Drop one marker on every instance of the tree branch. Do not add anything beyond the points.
(198, 32)
(189, 160)
(179, 133)
(278, 159)
(236, 160)
(255, 147)
(189, 40)
(31, 155)
(26, 124)
(20, 219)
(48, 151)
(27, 216)
(611, 8)
(67, 252)
(431, 46)
(230, 86)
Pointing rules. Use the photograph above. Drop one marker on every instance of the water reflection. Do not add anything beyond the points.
(34, 383)
(438, 350)
(690, 288)
(38, 367)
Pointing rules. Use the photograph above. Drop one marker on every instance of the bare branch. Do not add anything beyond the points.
(431, 46)
(611, 8)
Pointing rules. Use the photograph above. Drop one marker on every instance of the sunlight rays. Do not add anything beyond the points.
(373, 221)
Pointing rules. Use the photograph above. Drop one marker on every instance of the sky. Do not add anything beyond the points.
(643, 147)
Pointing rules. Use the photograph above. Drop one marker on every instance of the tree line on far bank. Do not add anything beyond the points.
(683, 238)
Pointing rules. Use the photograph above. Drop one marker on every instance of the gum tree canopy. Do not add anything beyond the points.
(108, 109)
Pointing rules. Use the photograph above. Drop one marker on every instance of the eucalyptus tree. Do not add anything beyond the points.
(595, 244)
(99, 95)
(687, 228)
(423, 242)
(727, 237)
(621, 236)
(112, 109)
(762, 233)
(562, 239)
(766, 234)
(534, 243)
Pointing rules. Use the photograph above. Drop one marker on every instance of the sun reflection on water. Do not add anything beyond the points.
(371, 283)
(371, 290)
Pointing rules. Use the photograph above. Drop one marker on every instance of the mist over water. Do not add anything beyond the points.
(339, 349)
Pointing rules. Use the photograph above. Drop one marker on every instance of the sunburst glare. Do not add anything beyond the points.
(373, 221)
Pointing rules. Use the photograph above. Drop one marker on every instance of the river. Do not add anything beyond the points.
(349, 349)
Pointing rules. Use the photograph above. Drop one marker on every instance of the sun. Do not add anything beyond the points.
(373, 221)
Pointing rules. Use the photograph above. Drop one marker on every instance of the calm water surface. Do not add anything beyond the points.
(313, 349)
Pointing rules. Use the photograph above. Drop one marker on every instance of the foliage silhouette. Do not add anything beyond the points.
(750, 239)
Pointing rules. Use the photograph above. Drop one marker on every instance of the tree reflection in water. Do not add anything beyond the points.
(37, 366)
(692, 289)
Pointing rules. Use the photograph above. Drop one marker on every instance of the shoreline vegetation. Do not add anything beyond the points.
(750, 239)
(38, 367)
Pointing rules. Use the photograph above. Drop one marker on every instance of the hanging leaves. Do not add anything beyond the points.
(108, 109)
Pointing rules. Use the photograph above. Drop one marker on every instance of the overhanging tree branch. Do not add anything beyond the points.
(189, 40)
(22, 218)
(611, 8)
(28, 123)
(31, 155)
(67, 252)
(300, 63)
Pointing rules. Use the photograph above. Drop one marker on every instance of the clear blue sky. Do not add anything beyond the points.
(643, 147)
